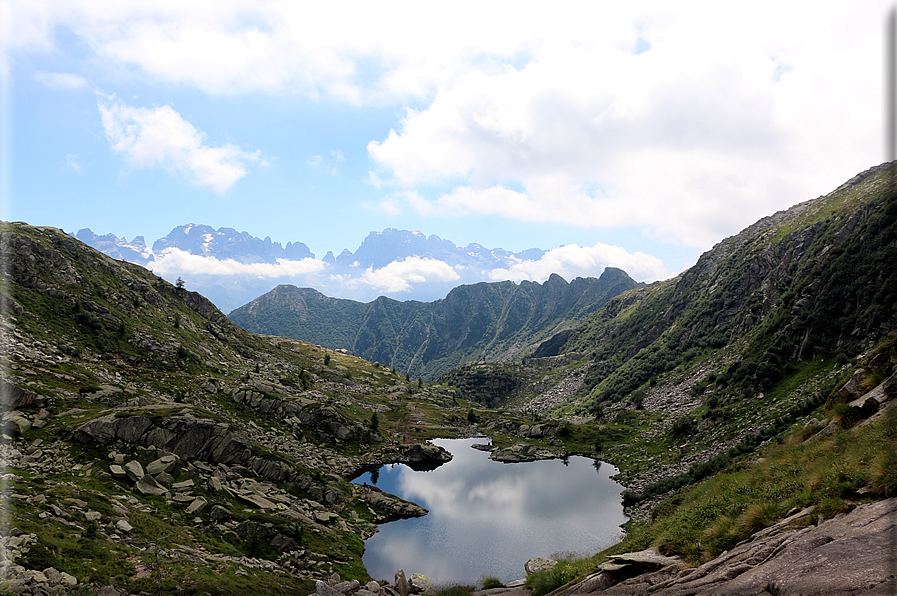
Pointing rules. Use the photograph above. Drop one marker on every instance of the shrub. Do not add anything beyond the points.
(638, 399)
(326, 359)
(847, 414)
(39, 556)
(682, 427)
(492, 582)
(455, 590)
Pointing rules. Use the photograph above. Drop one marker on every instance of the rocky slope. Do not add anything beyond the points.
(149, 441)
(494, 321)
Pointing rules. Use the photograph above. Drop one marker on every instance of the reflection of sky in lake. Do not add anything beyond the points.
(488, 518)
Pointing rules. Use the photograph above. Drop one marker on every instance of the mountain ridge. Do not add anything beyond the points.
(231, 286)
(499, 320)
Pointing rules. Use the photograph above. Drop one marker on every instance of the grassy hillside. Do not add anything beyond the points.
(812, 282)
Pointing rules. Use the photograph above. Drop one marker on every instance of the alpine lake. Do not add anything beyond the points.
(488, 518)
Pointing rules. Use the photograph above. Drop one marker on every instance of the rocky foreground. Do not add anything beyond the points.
(852, 553)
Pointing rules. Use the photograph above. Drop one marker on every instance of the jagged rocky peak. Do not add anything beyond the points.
(228, 243)
(135, 251)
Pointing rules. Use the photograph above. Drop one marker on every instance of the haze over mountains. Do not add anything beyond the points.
(232, 268)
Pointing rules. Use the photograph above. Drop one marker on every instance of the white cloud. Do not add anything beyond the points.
(572, 261)
(174, 261)
(726, 117)
(71, 161)
(399, 275)
(159, 136)
(64, 81)
(733, 111)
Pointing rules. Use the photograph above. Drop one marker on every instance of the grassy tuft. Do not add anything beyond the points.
(567, 570)
(454, 590)
(492, 582)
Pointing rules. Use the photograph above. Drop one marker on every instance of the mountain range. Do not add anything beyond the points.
(151, 445)
(484, 321)
(231, 268)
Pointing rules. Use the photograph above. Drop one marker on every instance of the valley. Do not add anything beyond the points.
(153, 445)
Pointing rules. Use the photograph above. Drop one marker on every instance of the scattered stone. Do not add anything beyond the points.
(421, 583)
(183, 485)
(166, 463)
(347, 587)
(537, 564)
(322, 589)
(134, 470)
(198, 504)
(148, 486)
(401, 583)
(219, 513)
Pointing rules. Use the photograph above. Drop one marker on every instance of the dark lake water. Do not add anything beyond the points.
(487, 518)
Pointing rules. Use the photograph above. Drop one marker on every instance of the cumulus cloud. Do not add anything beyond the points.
(159, 136)
(174, 261)
(399, 275)
(572, 261)
(724, 118)
(64, 81)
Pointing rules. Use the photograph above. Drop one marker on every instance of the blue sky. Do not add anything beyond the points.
(638, 136)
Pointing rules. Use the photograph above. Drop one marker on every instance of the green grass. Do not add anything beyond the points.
(700, 522)
(566, 570)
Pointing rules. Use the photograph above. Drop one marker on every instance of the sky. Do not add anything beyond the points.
(645, 132)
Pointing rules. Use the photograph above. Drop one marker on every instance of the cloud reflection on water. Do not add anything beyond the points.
(488, 518)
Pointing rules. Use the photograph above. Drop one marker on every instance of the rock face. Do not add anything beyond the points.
(184, 436)
(849, 554)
